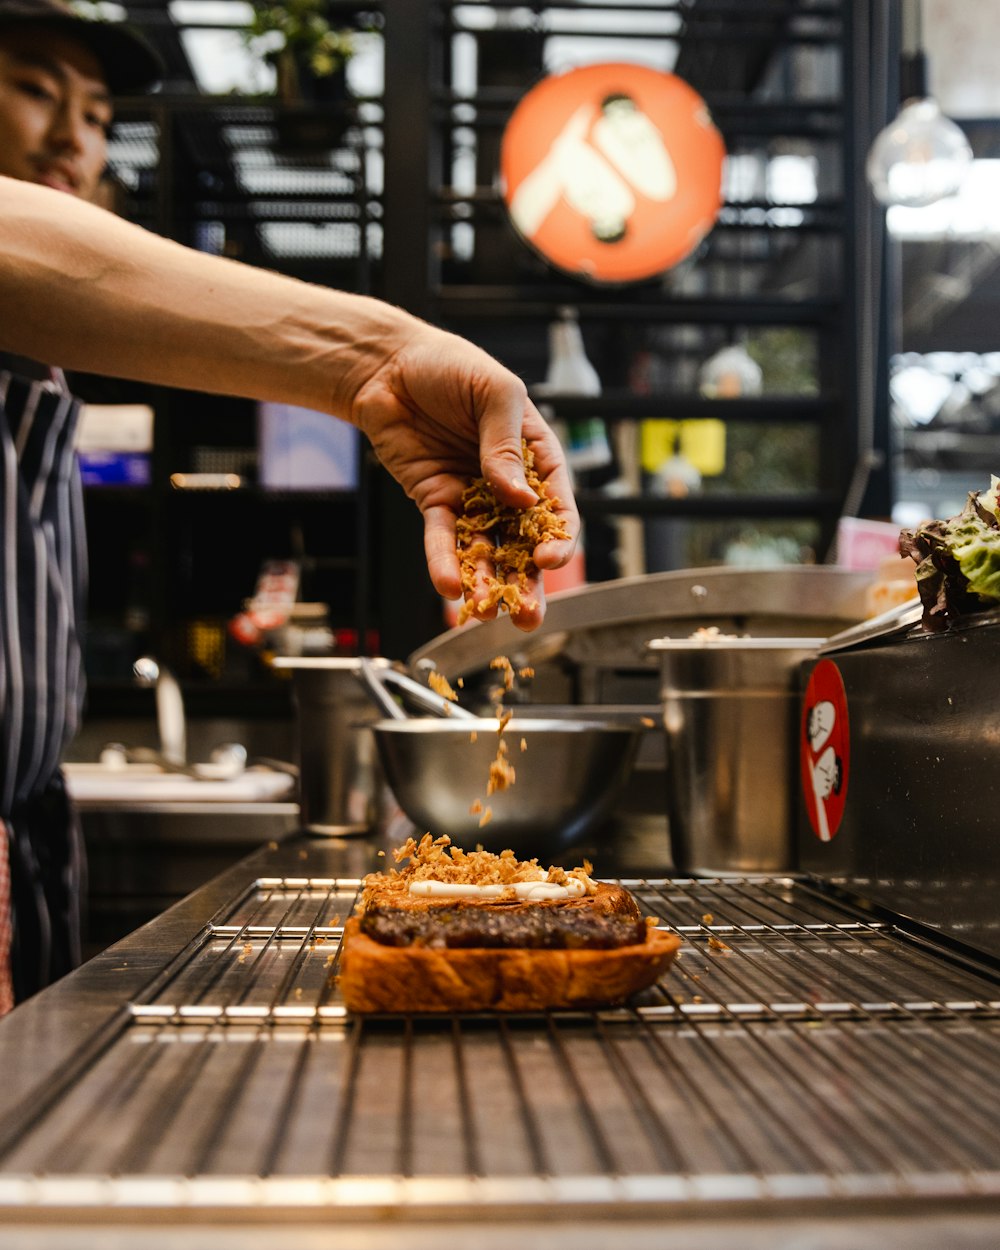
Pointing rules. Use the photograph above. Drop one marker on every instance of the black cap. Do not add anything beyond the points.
(129, 62)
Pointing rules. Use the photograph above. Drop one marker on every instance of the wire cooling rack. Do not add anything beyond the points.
(797, 1049)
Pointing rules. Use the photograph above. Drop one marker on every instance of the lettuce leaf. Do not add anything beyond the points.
(958, 560)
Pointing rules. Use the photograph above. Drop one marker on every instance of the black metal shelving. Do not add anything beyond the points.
(275, 185)
(748, 63)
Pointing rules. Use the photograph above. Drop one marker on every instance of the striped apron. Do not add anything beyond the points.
(43, 555)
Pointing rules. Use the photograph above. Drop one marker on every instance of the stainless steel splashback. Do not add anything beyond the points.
(599, 632)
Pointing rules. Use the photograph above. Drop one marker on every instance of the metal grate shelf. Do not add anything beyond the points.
(797, 1050)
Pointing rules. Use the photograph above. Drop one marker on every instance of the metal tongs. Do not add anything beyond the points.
(376, 679)
(896, 620)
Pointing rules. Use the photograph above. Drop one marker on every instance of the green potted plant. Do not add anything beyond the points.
(308, 53)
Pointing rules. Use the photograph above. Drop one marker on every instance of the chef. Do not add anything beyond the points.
(57, 74)
(80, 287)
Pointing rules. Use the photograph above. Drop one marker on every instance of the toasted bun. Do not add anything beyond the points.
(403, 979)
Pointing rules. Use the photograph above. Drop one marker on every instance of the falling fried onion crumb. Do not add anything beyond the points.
(501, 664)
(502, 774)
(441, 685)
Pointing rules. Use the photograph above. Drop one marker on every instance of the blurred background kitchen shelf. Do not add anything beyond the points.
(800, 363)
(389, 186)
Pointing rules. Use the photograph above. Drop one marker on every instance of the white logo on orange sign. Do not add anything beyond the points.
(596, 163)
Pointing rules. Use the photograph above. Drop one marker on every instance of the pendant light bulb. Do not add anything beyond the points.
(919, 158)
(922, 156)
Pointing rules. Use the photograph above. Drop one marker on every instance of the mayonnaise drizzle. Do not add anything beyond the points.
(536, 890)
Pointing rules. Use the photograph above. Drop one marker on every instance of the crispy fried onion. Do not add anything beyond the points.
(435, 859)
(442, 686)
(506, 537)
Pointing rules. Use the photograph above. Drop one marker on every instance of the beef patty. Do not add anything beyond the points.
(602, 921)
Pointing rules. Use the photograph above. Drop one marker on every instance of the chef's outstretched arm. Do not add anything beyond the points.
(84, 289)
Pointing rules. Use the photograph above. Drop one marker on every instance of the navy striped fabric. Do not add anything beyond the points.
(42, 585)
(42, 590)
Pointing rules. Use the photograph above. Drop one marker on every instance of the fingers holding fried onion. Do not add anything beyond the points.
(496, 550)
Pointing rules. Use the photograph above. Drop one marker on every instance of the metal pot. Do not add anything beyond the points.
(568, 773)
(339, 777)
(730, 715)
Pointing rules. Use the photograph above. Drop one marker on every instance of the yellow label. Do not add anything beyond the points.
(701, 442)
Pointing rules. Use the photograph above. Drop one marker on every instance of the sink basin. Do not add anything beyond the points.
(92, 783)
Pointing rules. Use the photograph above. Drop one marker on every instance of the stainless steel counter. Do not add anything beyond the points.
(806, 1075)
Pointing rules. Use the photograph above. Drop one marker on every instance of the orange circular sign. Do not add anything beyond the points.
(613, 172)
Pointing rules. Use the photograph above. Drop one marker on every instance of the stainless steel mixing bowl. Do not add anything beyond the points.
(567, 776)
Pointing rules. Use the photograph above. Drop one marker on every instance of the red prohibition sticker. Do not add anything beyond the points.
(825, 749)
(613, 172)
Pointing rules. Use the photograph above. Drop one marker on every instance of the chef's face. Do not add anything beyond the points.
(55, 111)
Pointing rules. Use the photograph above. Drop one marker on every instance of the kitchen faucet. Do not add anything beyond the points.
(170, 719)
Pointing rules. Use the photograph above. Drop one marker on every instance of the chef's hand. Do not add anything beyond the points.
(441, 412)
